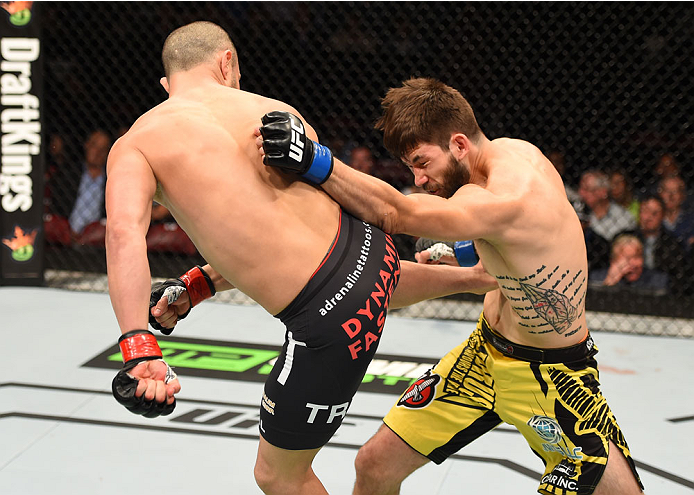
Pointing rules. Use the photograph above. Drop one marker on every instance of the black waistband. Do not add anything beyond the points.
(573, 353)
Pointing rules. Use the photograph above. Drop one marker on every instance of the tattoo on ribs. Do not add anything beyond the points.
(550, 306)
(554, 307)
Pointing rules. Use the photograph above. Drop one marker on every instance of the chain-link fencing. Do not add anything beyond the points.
(606, 90)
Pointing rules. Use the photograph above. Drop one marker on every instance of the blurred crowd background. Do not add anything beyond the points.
(605, 90)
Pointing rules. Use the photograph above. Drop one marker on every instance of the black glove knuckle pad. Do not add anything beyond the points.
(123, 388)
(273, 116)
(276, 139)
(276, 130)
(285, 143)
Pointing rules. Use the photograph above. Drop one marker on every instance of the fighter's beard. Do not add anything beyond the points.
(455, 176)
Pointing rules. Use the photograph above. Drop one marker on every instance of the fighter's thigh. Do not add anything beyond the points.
(440, 413)
(305, 399)
(618, 478)
(567, 422)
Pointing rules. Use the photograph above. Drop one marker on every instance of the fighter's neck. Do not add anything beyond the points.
(196, 79)
(479, 161)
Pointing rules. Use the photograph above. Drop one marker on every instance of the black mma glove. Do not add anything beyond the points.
(287, 147)
(138, 346)
(198, 284)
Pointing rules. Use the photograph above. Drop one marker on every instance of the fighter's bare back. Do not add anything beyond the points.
(264, 234)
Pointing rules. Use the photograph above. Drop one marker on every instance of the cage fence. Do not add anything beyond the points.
(604, 86)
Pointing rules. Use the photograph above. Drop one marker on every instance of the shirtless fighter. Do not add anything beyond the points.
(530, 362)
(285, 243)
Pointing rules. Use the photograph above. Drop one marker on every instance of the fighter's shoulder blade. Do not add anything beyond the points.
(270, 104)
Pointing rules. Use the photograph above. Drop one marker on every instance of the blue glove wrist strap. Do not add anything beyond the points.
(321, 166)
(465, 253)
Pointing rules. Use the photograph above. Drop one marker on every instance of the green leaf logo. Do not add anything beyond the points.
(21, 18)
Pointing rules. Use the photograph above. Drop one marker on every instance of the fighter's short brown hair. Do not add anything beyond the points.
(424, 110)
(194, 44)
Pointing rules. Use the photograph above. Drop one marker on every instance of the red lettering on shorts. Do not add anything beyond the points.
(381, 321)
(366, 311)
(346, 326)
(370, 338)
(354, 348)
(381, 296)
(391, 253)
(379, 292)
(385, 277)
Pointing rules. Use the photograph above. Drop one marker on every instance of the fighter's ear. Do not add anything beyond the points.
(226, 63)
(164, 83)
(459, 145)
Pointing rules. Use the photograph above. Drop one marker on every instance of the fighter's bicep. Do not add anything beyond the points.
(130, 185)
(476, 215)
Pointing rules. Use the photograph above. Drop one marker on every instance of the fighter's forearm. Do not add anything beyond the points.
(128, 279)
(419, 282)
(366, 197)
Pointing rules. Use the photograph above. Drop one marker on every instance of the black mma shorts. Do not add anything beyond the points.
(333, 329)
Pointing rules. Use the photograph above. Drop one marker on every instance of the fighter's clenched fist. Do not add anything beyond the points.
(145, 384)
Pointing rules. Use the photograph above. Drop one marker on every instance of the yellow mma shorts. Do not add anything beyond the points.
(552, 396)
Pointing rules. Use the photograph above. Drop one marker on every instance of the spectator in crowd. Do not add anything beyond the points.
(88, 205)
(605, 217)
(362, 159)
(678, 221)
(557, 159)
(597, 247)
(627, 270)
(622, 192)
(661, 250)
(666, 166)
(396, 174)
(75, 192)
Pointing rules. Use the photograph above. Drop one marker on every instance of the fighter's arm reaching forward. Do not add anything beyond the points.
(146, 384)
(419, 282)
(471, 213)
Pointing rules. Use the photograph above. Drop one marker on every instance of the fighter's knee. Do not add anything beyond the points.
(265, 477)
(367, 462)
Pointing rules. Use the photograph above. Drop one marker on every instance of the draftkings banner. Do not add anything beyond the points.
(21, 168)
